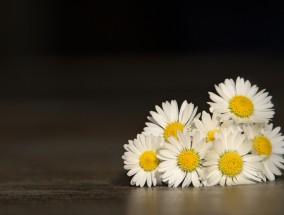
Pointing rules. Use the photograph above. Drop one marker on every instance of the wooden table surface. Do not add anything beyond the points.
(56, 158)
(63, 155)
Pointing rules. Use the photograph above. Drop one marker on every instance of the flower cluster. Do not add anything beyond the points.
(234, 144)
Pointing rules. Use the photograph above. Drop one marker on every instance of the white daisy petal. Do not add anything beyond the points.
(187, 113)
(143, 179)
(161, 112)
(214, 178)
(195, 179)
(183, 106)
(273, 168)
(278, 150)
(277, 160)
(168, 173)
(133, 171)
(180, 178)
(240, 179)
(159, 119)
(168, 162)
(223, 180)
(187, 180)
(270, 176)
(167, 154)
(148, 179)
(250, 176)
(175, 112)
(229, 181)
(252, 158)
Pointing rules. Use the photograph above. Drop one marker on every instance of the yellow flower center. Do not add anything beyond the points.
(149, 161)
(172, 129)
(211, 136)
(241, 106)
(188, 160)
(262, 146)
(231, 164)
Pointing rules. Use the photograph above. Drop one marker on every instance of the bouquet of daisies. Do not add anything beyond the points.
(234, 144)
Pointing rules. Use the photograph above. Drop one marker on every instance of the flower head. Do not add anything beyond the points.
(181, 161)
(141, 160)
(229, 161)
(269, 143)
(208, 126)
(168, 120)
(241, 102)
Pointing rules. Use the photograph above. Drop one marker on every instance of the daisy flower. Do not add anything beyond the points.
(229, 161)
(181, 161)
(241, 102)
(267, 142)
(208, 126)
(168, 120)
(141, 160)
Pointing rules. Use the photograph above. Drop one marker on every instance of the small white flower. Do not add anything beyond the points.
(141, 160)
(267, 142)
(241, 102)
(168, 120)
(208, 126)
(181, 160)
(229, 161)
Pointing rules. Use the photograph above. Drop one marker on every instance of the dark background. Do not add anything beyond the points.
(78, 78)
(93, 27)
(86, 48)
